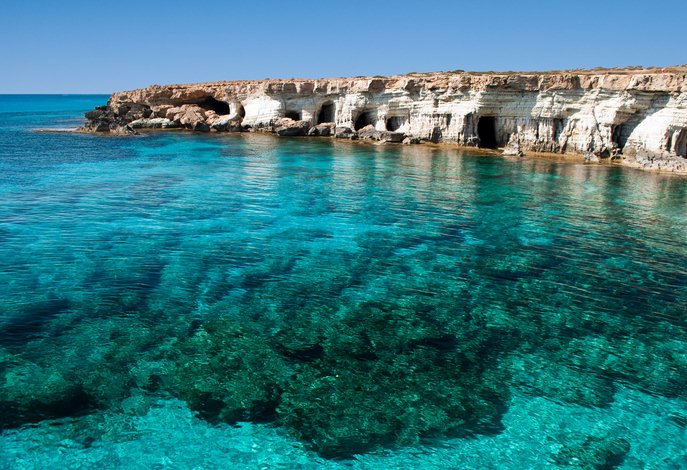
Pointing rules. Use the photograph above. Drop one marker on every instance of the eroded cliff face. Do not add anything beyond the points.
(635, 116)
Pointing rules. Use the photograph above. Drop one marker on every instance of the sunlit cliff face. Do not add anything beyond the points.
(638, 117)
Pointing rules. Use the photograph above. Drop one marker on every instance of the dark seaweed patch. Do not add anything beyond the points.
(30, 322)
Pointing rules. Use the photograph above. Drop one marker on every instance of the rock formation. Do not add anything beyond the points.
(636, 116)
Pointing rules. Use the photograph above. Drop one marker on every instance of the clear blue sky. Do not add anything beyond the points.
(63, 46)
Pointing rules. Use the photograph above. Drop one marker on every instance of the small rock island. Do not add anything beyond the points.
(634, 116)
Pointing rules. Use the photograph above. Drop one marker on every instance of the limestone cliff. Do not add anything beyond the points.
(637, 116)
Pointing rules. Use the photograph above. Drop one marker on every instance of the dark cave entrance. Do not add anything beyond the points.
(619, 136)
(394, 123)
(681, 144)
(327, 113)
(295, 115)
(220, 107)
(365, 119)
(558, 126)
(486, 132)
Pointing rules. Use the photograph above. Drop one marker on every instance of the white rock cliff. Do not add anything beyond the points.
(635, 116)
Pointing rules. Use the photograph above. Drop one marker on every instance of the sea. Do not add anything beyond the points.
(175, 300)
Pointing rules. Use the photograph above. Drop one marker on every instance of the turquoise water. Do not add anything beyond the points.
(241, 301)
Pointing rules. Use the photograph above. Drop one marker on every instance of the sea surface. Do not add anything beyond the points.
(177, 300)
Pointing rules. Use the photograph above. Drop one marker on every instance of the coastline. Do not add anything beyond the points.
(636, 117)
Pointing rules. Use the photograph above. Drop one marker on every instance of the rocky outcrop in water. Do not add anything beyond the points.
(636, 116)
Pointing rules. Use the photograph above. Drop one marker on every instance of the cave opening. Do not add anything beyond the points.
(486, 132)
(558, 126)
(210, 103)
(365, 119)
(295, 115)
(619, 136)
(394, 123)
(327, 113)
(681, 144)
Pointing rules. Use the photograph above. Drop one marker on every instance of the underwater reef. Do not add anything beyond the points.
(346, 375)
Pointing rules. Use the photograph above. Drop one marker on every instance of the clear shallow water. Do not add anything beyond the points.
(181, 301)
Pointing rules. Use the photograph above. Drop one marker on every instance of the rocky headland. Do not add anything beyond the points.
(633, 116)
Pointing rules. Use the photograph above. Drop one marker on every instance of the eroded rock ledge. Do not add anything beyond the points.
(637, 116)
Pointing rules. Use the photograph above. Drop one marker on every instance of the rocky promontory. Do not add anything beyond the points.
(635, 116)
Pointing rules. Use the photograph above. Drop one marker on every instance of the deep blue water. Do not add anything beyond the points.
(176, 300)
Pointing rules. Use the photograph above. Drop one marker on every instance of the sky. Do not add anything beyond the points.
(63, 46)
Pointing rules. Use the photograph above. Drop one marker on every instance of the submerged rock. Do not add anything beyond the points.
(230, 372)
(602, 453)
(386, 376)
(31, 393)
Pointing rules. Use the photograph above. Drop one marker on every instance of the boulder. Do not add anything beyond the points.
(345, 133)
(98, 113)
(161, 110)
(201, 126)
(369, 132)
(173, 112)
(229, 122)
(138, 111)
(190, 116)
(103, 119)
(132, 111)
(387, 136)
(167, 124)
(513, 149)
(325, 129)
(101, 126)
(289, 127)
(116, 129)
(186, 115)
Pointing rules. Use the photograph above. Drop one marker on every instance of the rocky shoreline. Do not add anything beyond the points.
(636, 117)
